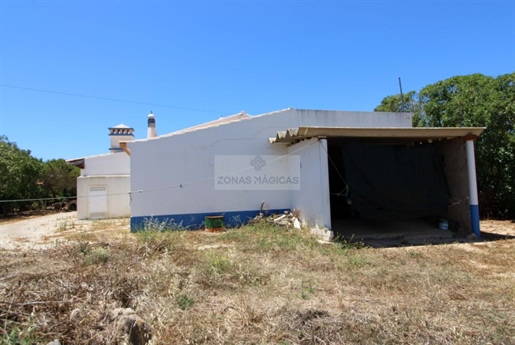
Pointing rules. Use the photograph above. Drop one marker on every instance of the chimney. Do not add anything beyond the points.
(120, 133)
(151, 132)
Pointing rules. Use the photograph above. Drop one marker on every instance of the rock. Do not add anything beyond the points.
(55, 342)
(322, 233)
(130, 326)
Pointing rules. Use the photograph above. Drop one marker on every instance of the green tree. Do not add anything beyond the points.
(60, 178)
(476, 100)
(20, 175)
(408, 102)
(461, 101)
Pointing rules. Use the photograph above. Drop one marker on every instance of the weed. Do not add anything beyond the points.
(345, 245)
(19, 336)
(415, 254)
(306, 289)
(97, 256)
(249, 276)
(153, 225)
(155, 241)
(184, 302)
(357, 260)
(234, 236)
(271, 237)
(91, 255)
(218, 262)
(64, 224)
(83, 247)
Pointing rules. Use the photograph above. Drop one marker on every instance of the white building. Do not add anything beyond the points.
(104, 183)
(296, 159)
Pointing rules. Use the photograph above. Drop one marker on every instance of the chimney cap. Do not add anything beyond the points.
(151, 116)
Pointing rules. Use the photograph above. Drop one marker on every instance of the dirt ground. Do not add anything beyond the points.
(41, 232)
(35, 232)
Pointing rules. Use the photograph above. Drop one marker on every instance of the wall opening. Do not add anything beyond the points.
(388, 192)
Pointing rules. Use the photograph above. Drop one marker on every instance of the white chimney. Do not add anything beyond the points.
(120, 133)
(151, 132)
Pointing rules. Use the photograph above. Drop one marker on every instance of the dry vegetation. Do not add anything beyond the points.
(258, 285)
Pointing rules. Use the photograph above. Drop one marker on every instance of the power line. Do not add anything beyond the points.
(109, 99)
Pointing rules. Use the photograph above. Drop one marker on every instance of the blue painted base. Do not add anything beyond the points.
(474, 220)
(194, 221)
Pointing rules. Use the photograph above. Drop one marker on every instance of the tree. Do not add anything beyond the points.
(476, 100)
(399, 104)
(461, 101)
(19, 176)
(408, 102)
(60, 178)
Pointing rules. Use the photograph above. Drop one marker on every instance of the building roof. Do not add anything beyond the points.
(218, 122)
(244, 116)
(121, 126)
(397, 134)
(221, 121)
(80, 162)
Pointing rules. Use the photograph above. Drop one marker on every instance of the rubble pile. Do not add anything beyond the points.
(287, 220)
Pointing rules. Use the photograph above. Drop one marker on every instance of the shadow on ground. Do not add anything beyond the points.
(417, 232)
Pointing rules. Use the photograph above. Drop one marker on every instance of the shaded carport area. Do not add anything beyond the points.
(398, 186)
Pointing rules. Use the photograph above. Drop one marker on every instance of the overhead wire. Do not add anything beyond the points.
(111, 99)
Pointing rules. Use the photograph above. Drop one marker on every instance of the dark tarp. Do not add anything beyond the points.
(395, 182)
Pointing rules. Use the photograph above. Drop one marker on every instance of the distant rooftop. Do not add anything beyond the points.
(121, 126)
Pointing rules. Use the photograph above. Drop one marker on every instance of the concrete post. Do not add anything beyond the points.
(473, 198)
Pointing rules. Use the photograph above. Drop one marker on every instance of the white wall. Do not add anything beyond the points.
(312, 200)
(116, 138)
(118, 200)
(188, 158)
(107, 164)
(175, 174)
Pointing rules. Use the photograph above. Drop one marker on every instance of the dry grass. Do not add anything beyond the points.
(258, 285)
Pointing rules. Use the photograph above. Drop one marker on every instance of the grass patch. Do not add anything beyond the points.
(153, 241)
(97, 256)
(17, 336)
(269, 237)
(357, 260)
(306, 290)
(257, 284)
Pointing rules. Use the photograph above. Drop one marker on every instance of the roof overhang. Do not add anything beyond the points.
(390, 134)
(79, 162)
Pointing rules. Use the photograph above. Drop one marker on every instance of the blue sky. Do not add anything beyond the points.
(193, 61)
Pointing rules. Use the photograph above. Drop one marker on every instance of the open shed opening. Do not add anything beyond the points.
(398, 183)
(389, 189)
